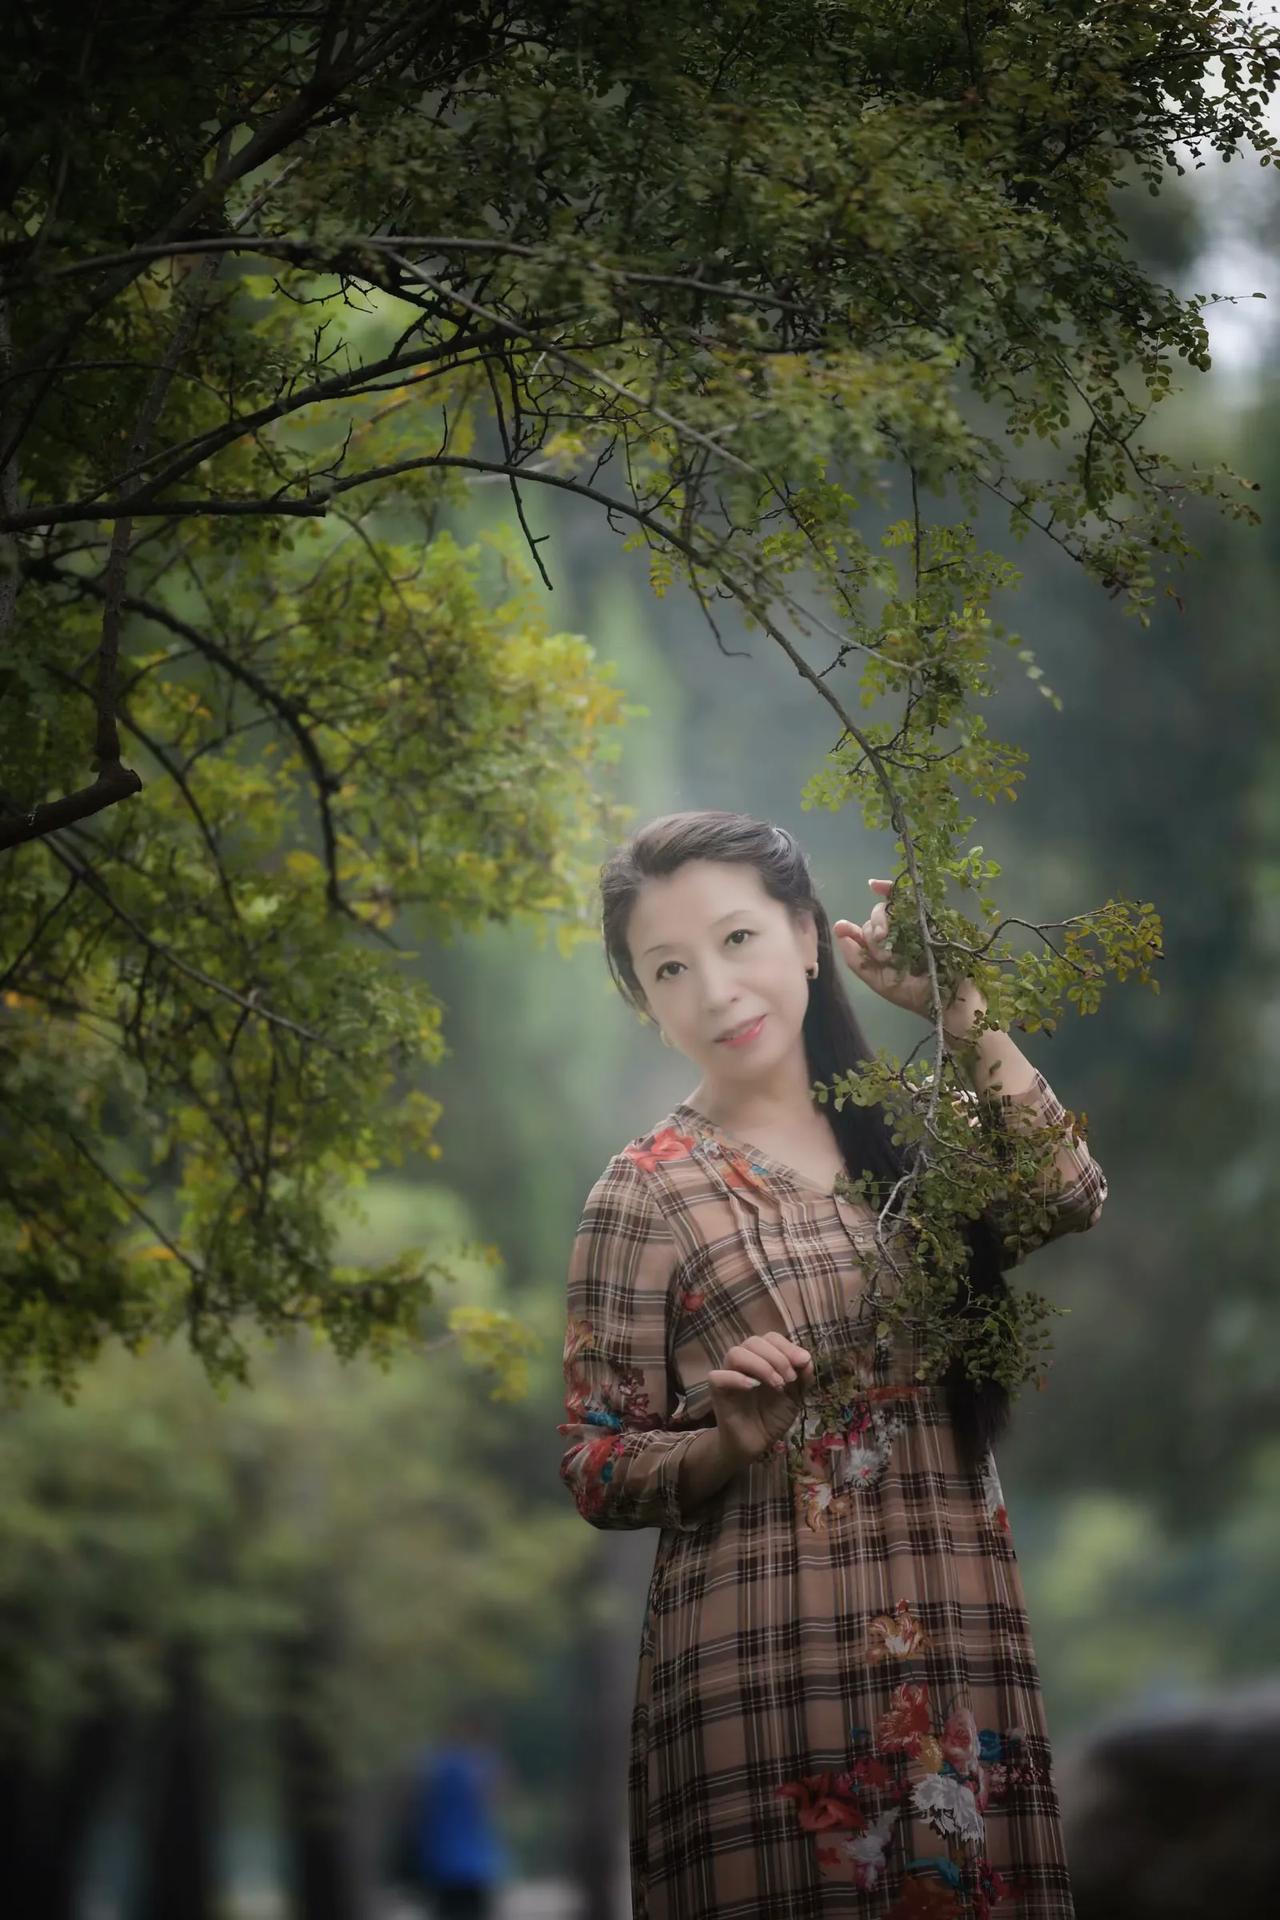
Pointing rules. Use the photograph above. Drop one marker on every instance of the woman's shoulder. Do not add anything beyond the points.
(643, 1192)
(694, 1174)
(671, 1140)
(663, 1148)
(661, 1168)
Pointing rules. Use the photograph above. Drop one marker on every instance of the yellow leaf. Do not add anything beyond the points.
(156, 1253)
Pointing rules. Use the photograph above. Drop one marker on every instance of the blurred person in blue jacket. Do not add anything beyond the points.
(450, 1850)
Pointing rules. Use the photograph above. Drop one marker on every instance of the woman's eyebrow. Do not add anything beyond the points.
(733, 914)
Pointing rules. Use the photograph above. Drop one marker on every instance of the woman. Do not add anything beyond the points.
(838, 1710)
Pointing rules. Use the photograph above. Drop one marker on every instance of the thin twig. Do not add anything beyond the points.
(251, 1004)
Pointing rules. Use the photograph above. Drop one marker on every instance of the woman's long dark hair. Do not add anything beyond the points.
(833, 1038)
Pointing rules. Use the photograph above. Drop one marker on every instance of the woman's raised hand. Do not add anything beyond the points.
(757, 1393)
(868, 952)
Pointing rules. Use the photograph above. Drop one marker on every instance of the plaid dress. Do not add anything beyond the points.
(837, 1709)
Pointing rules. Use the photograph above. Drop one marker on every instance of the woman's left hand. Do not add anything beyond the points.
(868, 952)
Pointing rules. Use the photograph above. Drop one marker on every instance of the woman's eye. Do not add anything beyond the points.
(745, 931)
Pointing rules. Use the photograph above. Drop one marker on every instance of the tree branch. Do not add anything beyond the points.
(109, 1178)
(250, 1005)
(342, 254)
(112, 784)
(276, 702)
(284, 127)
(175, 773)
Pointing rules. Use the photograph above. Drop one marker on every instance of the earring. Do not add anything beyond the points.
(812, 971)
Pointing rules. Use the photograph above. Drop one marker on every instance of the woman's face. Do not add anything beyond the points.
(713, 951)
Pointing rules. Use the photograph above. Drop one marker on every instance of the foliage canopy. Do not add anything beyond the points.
(274, 291)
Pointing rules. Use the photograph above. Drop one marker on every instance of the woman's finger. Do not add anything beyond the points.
(786, 1348)
(778, 1367)
(750, 1361)
(729, 1377)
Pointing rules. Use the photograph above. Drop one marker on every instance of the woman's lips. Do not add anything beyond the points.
(746, 1036)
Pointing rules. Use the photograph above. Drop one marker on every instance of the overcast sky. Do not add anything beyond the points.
(1237, 202)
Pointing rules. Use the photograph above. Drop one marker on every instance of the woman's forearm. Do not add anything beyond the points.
(706, 1465)
(993, 1058)
(1002, 1074)
(996, 1064)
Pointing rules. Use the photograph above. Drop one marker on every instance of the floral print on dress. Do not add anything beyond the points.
(827, 1805)
(993, 1493)
(937, 1767)
(894, 1636)
(949, 1805)
(654, 1150)
(843, 1442)
(736, 1168)
(620, 1412)
(731, 1164)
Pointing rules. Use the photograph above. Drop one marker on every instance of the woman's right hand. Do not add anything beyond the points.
(757, 1393)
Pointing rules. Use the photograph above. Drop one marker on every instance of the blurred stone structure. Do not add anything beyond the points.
(1173, 1812)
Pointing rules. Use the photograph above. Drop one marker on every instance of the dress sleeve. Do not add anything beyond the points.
(1073, 1190)
(623, 1461)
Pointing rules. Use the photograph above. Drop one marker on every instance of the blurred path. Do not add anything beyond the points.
(523, 1900)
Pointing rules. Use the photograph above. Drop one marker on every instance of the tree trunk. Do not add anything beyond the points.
(178, 1874)
(48, 1818)
(323, 1882)
(605, 1668)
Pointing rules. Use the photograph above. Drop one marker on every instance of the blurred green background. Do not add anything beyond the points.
(197, 1593)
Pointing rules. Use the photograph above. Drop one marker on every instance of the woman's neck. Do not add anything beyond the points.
(784, 1099)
